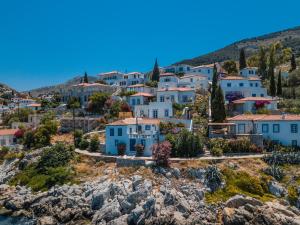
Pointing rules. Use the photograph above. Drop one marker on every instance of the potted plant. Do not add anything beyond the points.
(121, 148)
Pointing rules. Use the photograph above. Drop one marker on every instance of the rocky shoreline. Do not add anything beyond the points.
(172, 196)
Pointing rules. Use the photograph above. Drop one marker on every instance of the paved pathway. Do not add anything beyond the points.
(100, 155)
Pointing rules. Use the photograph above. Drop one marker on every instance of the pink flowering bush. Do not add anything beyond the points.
(161, 153)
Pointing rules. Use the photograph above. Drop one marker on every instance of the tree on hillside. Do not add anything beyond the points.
(85, 78)
(293, 63)
(230, 67)
(279, 86)
(97, 102)
(73, 104)
(214, 82)
(262, 67)
(271, 75)
(155, 72)
(218, 106)
(243, 63)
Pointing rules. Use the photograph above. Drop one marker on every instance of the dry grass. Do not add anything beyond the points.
(66, 138)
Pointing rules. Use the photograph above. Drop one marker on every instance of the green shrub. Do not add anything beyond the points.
(249, 184)
(3, 151)
(94, 143)
(275, 171)
(84, 144)
(216, 151)
(78, 138)
(14, 155)
(292, 195)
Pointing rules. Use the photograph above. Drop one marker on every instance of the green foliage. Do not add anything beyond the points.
(185, 144)
(94, 143)
(139, 148)
(240, 145)
(271, 75)
(155, 72)
(13, 155)
(97, 102)
(152, 83)
(73, 103)
(214, 85)
(213, 178)
(3, 152)
(56, 156)
(230, 67)
(282, 158)
(51, 169)
(293, 63)
(127, 93)
(215, 151)
(279, 86)
(77, 137)
(242, 60)
(262, 68)
(20, 115)
(275, 171)
(85, 78)
(292, 195)
(289, 106)
(218, 106)
(84, 144)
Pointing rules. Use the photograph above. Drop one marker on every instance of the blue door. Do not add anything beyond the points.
(132, 144)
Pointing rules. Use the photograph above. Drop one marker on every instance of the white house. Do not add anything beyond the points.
(154, 110)
(168, 80)
(21, 103)
(116, 78)
(83, 92)
(7, 137)
(249, 72)
(206, 70)
(284, 129)
(194, 81)
(179, 68)
(132, 131)
(180, 95)
(235, 87)
(253, 104)
(140, 98)
(141, 88)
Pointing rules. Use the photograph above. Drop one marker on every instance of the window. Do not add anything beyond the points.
(253, 95)
(143, 142)
(162, 98)
(251, 85)
(155, 114)
(294, 128)
(147, 127)
(265, 128)
(241, 128)
(208, 71)
(276, 128)
(112, 132)
(256, 84)
(191, 79)
(172, 98)
(294, 143)
(166, 113)
(241, 84)
(261, 95)
(133, 101)
(130, 130)
(119, 131)
(228, 84)
(138, 101)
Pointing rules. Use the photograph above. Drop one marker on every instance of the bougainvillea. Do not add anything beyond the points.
(261, 104)
(161, 153)
(234, 95)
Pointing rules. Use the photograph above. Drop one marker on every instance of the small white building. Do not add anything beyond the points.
(140, 98)
(168, 80)
(117, 78)
(194, 81)
(154, 110)
(242, 87)
(206, 70)
(21, 103)
(180, 95)
(249, 72)
(283, 129)
(141, 88)
(7, 137)
(253, 104)
(179, 68)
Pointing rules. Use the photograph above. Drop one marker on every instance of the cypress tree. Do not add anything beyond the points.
(218, 106)
(214, 82)
(85, 78)
(279, 86)
(243, 63)
(262, 68)
(271, 73)
(155, 72)
(293, 63)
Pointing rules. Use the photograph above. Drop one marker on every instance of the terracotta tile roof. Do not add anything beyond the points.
(182, 89)
(253, 78)
(242, 100)
(264, 117)
(233, 78)
(35, 105)
(132, 121)
(8, 132)
(143, 94)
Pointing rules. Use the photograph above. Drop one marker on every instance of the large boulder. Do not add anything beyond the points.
(276, 189)
(240, 200)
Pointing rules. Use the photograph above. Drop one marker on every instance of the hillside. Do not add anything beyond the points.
(6, 90)
(288, 38)
(56, 88)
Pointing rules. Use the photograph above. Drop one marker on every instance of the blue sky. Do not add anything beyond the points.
(45, 42)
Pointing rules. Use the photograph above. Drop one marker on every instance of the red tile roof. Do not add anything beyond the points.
(35, 105)
(264, 117)
(8, 132)
(132, 121)
(243, 100)
(143, 94)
